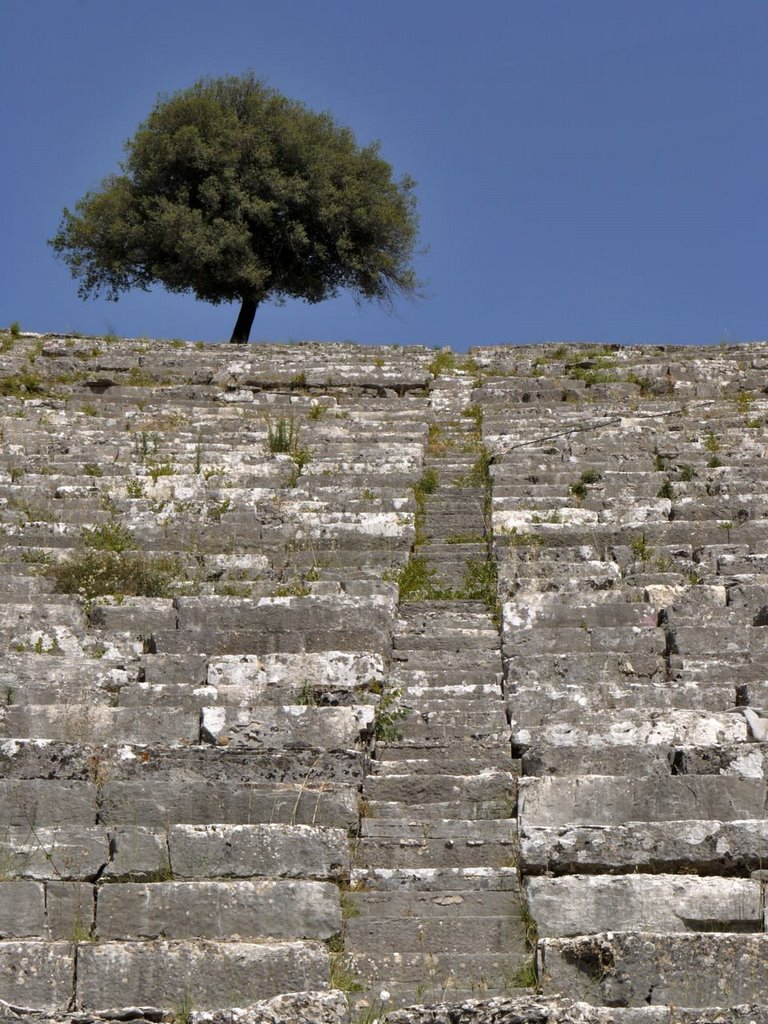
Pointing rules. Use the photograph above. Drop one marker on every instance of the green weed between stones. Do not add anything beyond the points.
(98, 573)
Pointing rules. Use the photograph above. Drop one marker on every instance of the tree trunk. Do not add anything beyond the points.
(244, 323)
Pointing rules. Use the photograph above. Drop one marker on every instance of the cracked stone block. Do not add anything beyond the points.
(64, 853)
(640, 969)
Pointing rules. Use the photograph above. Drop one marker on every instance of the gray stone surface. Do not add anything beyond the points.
(577, 489)
(37, 974)
(642, 969)
(240, 851)
(208, 974)
(574, 905)
(242, 910)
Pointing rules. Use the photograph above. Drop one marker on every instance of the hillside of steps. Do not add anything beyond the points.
(336, 679)
(195, 630)
(630, 536)
(435, 911)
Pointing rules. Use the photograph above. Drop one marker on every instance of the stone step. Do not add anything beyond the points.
(633, 727)
(456, 641)
(277, 727)
(450, 761)
(498, 830)
(442, 934)
(657, 760)
(608, 639)
(578, 904)
(696, 846)
(200, 802)
(602, 800)
(435, 879)
(418, 906)
(433, 976)
(242, 910)
(421, 789)
(639, 969)
(490, 807)
(93, 724)
(211, 974)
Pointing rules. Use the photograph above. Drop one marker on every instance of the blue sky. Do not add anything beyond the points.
(591, 170)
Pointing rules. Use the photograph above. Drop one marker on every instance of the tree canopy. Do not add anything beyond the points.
(233, 192)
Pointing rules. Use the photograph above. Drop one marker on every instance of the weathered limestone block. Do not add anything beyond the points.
(716, 847)
(200, 803)
(63, 853)
(616, 760)
(410, 788)
(241, 910)
(291, 1008)
(241, 851)
(85, 724)
(637, 728)
(279, 614)
(747, 760)
(22, 910)
(137, 855)
(69, 908)
(209, 974)
(641, 969)
(290, 675)
(552, 1010)
(38, 975)
(600, 800)
(543, 613)
(139, 615)
(577, 904)
(59, 679)
(182, 670)
(439, 934)
(34, 803)
(441, 879)
(270, 727)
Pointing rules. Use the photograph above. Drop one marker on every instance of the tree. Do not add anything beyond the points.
(233, 192)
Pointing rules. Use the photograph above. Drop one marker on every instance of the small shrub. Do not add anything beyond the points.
(641, 549)
(428, 482)
(98, 573)
(158, 469)
(112, 536)
(14, 329)
(388, 713)
(666, 490)
(23, 384)
(712, 442)
(282, 436)
(441, 362)
(687, 473)
(216, 509)
(92, 469)
(134, 488)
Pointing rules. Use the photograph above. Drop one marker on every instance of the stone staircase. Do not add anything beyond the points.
(382, 677)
